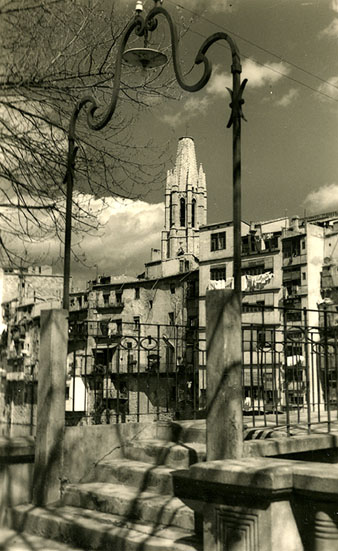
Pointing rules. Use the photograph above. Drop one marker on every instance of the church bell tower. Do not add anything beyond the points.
(185, 207)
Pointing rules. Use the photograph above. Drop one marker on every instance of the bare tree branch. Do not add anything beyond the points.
(53, 53)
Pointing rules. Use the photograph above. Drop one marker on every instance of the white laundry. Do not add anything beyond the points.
(248, 282)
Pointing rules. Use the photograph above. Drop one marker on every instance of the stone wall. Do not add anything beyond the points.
(16, 473)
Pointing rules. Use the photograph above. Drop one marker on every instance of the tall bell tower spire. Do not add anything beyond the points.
(185, 208)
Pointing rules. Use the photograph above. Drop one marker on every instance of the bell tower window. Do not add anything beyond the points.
(182, 212)
(193, 213)
(171, 210)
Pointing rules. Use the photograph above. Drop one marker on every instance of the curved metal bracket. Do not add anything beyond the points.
(142, 26)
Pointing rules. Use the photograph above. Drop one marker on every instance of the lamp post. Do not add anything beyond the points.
(149, 58)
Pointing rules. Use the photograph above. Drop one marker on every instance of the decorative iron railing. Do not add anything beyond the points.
(131, 372)
(290, 369)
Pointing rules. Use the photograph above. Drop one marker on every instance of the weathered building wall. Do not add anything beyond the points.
(32, 282)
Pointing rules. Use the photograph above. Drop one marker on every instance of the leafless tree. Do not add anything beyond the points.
(53, 53)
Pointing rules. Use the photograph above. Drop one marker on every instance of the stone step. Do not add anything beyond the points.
(189, 431)
(137, 474)
(10, 540)
(93, 530)
(159, 452)
(130, 503)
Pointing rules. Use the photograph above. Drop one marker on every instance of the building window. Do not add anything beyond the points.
(218, 241)
(171, 318)
(137, 292)
(172, 288)
(118, 324)
(291, 247)
(118, 295)
(218, 273)
(150, 304)
(136, 322)
(182, 212)
(106, 299)
(104, 328)
(193, 322)
(181, 265)
(258, 306)
(193, 213)
(264, 338)
(304, 276)
(192, 289)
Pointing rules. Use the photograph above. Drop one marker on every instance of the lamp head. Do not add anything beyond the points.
(147, 58)
(139, 7)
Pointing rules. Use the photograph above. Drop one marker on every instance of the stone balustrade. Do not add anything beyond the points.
(260, 504)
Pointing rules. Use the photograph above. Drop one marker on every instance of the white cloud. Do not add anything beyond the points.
(323, 199)
(288, 98)
(216, 6)
(257, 75)
(334, 5)
(331, 30)
(330, 88)
(193, 106)
(260, 75)
(218, 82)
(126, 232)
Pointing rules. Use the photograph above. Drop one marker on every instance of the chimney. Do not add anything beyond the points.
(155, 254)
(295, 223)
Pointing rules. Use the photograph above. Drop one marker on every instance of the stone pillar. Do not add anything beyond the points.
(224, 375)
(246, 504)
(50, 406)
(164, 245)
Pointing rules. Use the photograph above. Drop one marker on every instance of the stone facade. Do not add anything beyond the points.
(25, 292)
(113, 322)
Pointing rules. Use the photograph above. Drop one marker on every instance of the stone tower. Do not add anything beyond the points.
(185, 207)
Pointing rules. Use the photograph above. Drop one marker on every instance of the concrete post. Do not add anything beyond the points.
(224, 375)
(50, 406)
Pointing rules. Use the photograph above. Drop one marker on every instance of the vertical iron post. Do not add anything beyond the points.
(327, 396)
(236, 169)
(68, 228)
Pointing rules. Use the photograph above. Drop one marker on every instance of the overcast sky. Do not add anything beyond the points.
(289, 52)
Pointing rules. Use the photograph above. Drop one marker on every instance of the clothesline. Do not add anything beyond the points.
(248, 282)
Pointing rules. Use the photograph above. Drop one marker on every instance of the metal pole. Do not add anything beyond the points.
(236, 152)
(68, 229)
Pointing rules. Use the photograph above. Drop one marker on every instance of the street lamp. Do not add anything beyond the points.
(148, 58)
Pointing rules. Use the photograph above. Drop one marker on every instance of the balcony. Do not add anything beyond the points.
(14, 355)
(76, 306)
(109, 307)
(294, 260)
(268, 317)
(293, 291)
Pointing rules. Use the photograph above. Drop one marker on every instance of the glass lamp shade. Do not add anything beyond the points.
(147, 58)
